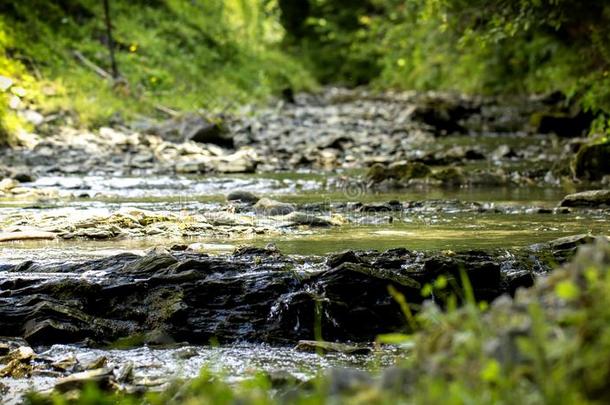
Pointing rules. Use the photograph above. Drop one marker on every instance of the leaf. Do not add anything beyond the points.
(567, 290)
(393, 338)
(491, 371)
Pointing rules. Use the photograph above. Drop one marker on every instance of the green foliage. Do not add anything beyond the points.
(179, 54)
(336, 38)
(474, 46)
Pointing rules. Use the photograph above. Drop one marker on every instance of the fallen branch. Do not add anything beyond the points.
(166, 110)
(88, 63)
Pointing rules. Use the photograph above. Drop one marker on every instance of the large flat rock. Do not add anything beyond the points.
(254, 294)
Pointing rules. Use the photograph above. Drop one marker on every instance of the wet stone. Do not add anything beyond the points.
(242, 196)
(591, 198)
(256, 294)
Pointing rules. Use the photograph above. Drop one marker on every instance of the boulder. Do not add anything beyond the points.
(243, 197)
(254, 294)
(563, 124)
(6, 185)
(592, 161)
(268, 206)
(444, 113)
(102, 378)
(450, 176)
(401, 171)
(24, 177)
(590, 198)
(302, 218)
(242, 161)
(194, 128)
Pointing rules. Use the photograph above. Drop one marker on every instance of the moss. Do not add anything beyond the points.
(126, 342)
(402, 171)
(451, 176)
(181, 55)
(592, 161)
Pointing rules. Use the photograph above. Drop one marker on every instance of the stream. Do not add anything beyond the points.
(91, 216)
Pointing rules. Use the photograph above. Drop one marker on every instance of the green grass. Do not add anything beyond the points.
(549, 345)
(183, 55)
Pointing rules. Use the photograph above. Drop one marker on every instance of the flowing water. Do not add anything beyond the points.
(524, 216)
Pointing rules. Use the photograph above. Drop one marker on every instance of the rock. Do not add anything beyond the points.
(302, 218)
(377, 173)
(26, 235)
(7, 185)
(267, 206)
(194, 128)
(457, 153)
(487, 178)
(282, 379)
(16, 369)
(186, 353)
(255, 294)
(408, 170)
(18, 363)
(444, 113)
(67, 364)
(592, 161)
(211, 133)
(450, 176)
(5, 348)
(397, 380)
(348, 256)
(23, 177)
(563, 124)
(242, 196)
(159, 337)
(243, 161)
(401, 171)
(331, 347)
(503, 152)
(126, 373)
(98, 362)
(588, 199)
(390, 206)
(343, 381)
(571, 242)
(21, 353)
(103, 378)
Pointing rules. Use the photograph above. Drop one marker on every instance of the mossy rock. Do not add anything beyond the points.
(590, 198)
(563, 124)
(409, 170)
(402, 171)
(592, 161)
(450, 176)
(377, 173)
